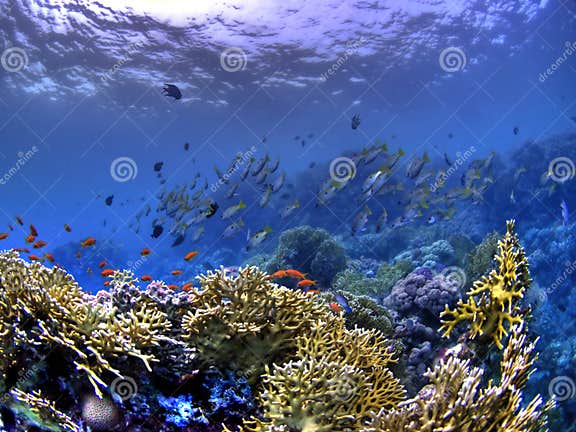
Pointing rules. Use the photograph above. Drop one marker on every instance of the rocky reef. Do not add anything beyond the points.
(241, 353)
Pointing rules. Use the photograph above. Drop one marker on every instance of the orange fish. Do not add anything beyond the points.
(146, 278)
(106, 283)
(49, 257)
(107, 272)
(90, 241)
(3, 236)
(39, 244)
(34, 258)
(145, 252)
(305, 283)
(190, 255)
(33, 230)
(173, 287)
(78, 254)
(295, 274)
(67, 227)
(30, 239)
(176, 272)
(102, 264)
(335, 307)
(24, 250)
(312, 291)
(19, 220)
(188, 286)
(278, 274)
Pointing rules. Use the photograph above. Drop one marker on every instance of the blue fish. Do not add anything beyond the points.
(342, 301)
(565, 213)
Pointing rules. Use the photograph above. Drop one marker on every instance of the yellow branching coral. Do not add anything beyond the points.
(246, 322)
(43, 412)
(492, 303)
(456, 401)
(46, 308)
(338, 382)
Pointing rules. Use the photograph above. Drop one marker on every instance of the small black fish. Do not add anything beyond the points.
(158, 166)
(303, 143)
(108, 200)
(178, 240)
(450, 135)
(212, 209)
(157, 231)
(516, 130)
(186, 146)
(297, 138)
(448, 162)
(312, 164)
(355, 121)
(171, 90)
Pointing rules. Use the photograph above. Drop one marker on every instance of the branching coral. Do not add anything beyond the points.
(247, 314)
(493, 300)
(337, 382)
(455, 400)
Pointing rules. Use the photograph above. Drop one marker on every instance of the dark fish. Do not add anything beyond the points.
(212, 209)
(178, 240)
(171, 90)
(312, 164)
(516, 130)
(450, 135)
(108, 200)
(303, 143)
(157, 231)
(355, 121)
(158, 166)
(187, 146)
(447, 160)
(297, 137)
(343, 301)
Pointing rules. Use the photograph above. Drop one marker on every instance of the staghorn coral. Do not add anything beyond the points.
(337, 382)
(247, 314)
(493, 300)
(455, 400)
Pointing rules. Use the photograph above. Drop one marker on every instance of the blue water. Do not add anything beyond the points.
(86, 89)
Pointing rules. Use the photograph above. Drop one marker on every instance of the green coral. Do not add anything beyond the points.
(387, 275)
(480, 260)
(310, 250)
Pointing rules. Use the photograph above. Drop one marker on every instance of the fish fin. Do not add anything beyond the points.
(267, 229)
(241, 204)
(384, 147)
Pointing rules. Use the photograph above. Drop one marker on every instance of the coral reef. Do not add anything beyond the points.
(480, 260)
(493, 300)
(310, 250)
(430, 256)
